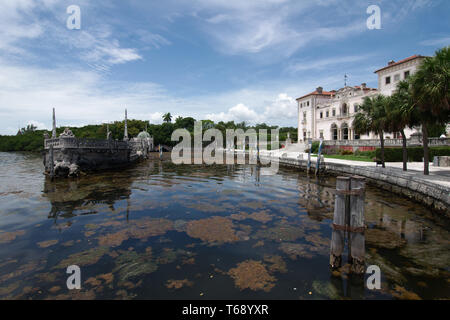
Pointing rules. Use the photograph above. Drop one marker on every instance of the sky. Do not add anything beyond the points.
(221, 60)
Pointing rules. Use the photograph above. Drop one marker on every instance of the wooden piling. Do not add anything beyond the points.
(309, 156)
(357, 225)
(318, 157)
(338, 235)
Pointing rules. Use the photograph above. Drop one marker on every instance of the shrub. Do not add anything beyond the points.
(414, 153)
(368, 154)
(315, 147)
(330, 150)
(346, 152)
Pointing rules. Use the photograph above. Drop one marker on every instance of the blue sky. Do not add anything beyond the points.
(210, 59)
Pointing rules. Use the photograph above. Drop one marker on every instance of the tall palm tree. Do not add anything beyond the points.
(372, 117)
(431, 94)
(401, 114)
(167, 117)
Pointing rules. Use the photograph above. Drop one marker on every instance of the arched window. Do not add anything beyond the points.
(334, 131)
(344, 109)
(344, 129)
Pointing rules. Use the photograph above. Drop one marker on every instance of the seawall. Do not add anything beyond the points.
(409, 184)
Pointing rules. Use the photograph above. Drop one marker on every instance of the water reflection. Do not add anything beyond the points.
(159, 230)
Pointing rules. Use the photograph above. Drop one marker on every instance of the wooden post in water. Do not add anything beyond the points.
(309, 155)
(338, 235)
(357, 226)
(318, 156)
(258, 159)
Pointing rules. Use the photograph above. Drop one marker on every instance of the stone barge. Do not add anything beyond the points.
(68, 156)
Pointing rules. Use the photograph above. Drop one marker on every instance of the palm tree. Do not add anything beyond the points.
(400, 110)
(372, 117)
(167, 117)
(431, 95)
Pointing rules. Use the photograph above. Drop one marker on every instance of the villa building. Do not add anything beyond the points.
(329, 114)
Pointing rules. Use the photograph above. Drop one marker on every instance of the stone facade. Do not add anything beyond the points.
(329, 114)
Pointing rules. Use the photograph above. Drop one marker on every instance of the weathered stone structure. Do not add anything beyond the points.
(420, 189)
(68, 156)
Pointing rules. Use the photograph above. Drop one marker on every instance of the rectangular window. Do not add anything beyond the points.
(304, 115)
(307, 103)
(334, 112)
(328, 114)
(406, 74)
(321, 134)
(321, 115)
(388, 80)
(396, 78)
(355, 108)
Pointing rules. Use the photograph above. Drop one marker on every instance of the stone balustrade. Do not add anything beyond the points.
(80, 143)
(432, 142)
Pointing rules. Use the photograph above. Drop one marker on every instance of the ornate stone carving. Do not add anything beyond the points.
(67, 134)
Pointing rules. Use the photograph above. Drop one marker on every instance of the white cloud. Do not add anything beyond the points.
(39, 125)
(277, 26)
(282, 108)
(22, 20)
(444, 41)
(325, 63)
(238, 113)
(31, 93)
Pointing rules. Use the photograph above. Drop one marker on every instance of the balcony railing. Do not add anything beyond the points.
(78, 143)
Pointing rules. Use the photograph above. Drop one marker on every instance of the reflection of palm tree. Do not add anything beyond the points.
(431, 94)
(372, 117)
(167, 117)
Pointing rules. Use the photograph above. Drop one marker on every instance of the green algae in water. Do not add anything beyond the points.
(325, 290)
(130, 264)
(285, 217)
(83, 258)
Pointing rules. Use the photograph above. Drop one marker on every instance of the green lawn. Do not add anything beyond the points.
(349, 157)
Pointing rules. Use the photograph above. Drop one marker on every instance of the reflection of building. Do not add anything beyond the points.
(329, 114)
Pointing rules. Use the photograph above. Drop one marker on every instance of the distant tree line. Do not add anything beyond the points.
(31, 139)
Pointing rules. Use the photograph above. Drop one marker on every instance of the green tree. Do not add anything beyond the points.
(372, 117)
(430, 87)
(400, 112)
(167, 117)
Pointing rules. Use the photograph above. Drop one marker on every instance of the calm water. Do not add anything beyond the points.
(203, 232)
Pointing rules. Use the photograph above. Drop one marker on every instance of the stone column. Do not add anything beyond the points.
(125, 134)
(54, 125)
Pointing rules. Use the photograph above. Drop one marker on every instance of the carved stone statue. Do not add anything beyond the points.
(67, 133)
(46, 136)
